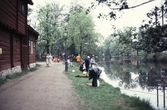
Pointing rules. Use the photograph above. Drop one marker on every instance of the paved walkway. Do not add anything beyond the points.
(48, 88)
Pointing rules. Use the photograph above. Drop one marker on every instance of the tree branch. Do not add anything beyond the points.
(134, 6)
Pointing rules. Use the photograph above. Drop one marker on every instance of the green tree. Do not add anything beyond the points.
(152, 33)
(151, 39)
(126, 38)
(30, 10)
(81, 31)
(120, 42)
(48, 18)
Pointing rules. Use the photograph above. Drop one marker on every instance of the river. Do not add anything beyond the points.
(147, 81)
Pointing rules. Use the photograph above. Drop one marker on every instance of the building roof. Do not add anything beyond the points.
(32, 31)
(30, 2)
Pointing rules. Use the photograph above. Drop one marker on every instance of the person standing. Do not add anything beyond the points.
(55, 58)
(87, 63)
(78, 59)
(47, 60)
(92, 61)
(50, 59)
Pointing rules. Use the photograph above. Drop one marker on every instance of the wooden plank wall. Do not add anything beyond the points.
(22, 18)
(16, 50)
(13, 29)
(13, 16)
(5, 61)
(24, 57)
(21, 23)
(8, 13)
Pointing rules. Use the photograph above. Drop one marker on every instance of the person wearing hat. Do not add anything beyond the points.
(87, 63)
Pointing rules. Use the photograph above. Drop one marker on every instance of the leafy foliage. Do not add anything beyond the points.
(30, 10)
(53, 19)
(119, 4)
(151, 39)
(81, 31)
(48, 17)
(120, 43)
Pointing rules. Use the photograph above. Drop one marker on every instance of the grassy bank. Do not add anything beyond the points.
(17, 75)
(104, 97)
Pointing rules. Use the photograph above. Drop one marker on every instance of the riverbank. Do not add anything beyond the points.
(52, 81)
(104, 97)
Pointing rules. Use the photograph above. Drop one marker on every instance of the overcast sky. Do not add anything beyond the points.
(131, 17)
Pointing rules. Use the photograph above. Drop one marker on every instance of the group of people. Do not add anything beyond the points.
(93, 72)
(50, 58)
(87, 63)
(83, 65)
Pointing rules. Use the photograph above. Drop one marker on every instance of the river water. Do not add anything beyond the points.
(135, 78)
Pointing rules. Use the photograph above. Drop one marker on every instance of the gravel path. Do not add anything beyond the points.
(48, 88)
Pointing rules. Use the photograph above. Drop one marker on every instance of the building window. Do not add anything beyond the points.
(29, 43)
(32, 49)
(23, 7)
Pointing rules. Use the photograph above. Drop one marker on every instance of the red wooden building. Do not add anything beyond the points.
(17, 39)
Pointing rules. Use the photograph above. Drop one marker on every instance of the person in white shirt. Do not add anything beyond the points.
(50, 59)
(92, 61)
(47, 60)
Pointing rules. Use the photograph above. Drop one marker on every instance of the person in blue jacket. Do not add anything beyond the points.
(87, 63)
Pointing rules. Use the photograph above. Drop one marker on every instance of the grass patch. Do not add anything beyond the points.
(104, 97)
(2, 81)
(136, 102)
(17, 75)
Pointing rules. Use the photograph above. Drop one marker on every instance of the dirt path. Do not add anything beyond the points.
(45, 89)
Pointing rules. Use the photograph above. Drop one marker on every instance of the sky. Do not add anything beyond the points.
(131, 17)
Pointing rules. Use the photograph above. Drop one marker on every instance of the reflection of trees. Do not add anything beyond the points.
(146, 78)
(127, 81)
(108, 67)
(121, 71)
(142, 79)
(152, 77)
(149, 79)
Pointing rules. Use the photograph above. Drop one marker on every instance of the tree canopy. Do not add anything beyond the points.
(82, 37)
(48, 18)
(81, 31)
(53, 19)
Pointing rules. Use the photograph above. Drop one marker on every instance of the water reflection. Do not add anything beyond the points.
(145, 80)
